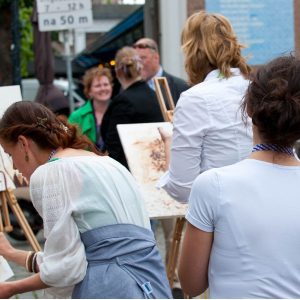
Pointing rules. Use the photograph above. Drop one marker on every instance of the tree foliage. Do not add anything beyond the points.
(26, 38)
(26, 32)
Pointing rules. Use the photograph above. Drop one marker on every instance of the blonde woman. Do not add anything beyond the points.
(137, 102)
(208, 129)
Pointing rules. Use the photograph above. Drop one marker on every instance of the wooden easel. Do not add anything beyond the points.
(7, 197)
(167, 113)
(160, 82)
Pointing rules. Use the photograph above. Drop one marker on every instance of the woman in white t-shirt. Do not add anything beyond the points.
(98, 238)
(208, 130)
(242, 238)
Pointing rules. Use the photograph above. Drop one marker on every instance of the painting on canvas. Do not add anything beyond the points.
(144, 150)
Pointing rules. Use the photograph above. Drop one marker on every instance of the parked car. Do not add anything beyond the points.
(30, 88)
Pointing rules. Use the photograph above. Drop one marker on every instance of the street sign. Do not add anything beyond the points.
(48, 6)
(55, 15)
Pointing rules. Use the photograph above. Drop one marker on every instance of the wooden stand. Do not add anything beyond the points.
(161, 82)
(7, 197)
(174, 250)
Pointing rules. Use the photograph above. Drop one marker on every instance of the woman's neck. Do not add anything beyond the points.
(275, 158)
(99, 110)
(126, 83)
(100, 106)
(271, 156)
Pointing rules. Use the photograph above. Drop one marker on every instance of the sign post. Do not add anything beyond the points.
(65, 15)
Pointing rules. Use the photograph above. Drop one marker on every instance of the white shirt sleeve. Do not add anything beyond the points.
(191, 122)
(204, 201)
(63, 262)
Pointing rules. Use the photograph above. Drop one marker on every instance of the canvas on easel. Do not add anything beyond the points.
(145, 154)
(144, 151)
(8, 96)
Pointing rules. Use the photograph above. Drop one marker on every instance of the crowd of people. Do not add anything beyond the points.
(230, 157)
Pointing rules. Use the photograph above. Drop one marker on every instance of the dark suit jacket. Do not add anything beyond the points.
(177, 85)
(136, 104)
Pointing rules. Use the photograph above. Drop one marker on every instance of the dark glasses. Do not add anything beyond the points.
(143, 46)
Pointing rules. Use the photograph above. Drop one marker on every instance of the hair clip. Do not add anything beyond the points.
(64, 128)
(41, 122)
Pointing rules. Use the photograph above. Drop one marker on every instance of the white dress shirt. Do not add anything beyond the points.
(208, 131)
(150, 82)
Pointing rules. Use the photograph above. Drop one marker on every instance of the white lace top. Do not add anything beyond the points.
(73, 195)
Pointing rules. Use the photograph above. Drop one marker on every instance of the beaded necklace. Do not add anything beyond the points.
(271, 147)
(53, 151)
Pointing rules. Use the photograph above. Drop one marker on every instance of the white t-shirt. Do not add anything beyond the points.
(253, 208)
(208, 131)
(73, 195)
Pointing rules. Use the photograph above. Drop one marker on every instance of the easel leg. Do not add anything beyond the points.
(174, 250)
(5, 223)
(13, 203)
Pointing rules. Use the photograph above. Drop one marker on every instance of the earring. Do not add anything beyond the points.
(26, 157)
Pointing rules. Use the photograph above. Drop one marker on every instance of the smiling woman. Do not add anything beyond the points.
(98, 89)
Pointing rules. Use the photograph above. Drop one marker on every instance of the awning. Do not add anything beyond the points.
(104, 49)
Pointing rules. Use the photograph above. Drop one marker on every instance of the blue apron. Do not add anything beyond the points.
(123, 262)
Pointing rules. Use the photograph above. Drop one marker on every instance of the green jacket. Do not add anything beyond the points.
(84, 117)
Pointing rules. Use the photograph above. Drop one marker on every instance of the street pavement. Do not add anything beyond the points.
(20, 272)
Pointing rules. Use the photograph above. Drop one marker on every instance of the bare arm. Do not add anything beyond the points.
(194, 260)
(32, 283)
(10, 253)
(8, 289)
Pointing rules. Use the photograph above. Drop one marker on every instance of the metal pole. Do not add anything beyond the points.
(67, 42)
(15, 46)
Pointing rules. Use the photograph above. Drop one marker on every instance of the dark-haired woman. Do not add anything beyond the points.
(98, 238)
(242, 238)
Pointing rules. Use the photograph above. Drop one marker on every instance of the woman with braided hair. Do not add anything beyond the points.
(137, 102)
(98, 238)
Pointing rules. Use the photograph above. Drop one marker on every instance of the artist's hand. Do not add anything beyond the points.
(6, 290)
(166, 136)
(6, 248)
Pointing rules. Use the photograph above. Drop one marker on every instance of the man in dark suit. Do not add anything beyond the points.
(148, 52)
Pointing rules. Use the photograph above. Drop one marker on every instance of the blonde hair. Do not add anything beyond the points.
(92, 73)
(128, 60)
(209, 42)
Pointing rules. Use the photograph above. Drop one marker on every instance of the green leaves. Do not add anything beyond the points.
(26, 38)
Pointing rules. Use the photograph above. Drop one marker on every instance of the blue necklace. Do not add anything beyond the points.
(271, 147)
(51, 154)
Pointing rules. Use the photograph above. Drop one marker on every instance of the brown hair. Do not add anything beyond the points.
(273, 101)
(40, 124)
(128, 60)
(92, 73)
(209, 42)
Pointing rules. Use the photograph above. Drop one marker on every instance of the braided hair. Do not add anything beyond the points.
(37, 122)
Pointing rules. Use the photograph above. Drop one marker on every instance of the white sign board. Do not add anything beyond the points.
(50, 6)
(54, 15)
(9, 95)
(144, 151)
(5, 270)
